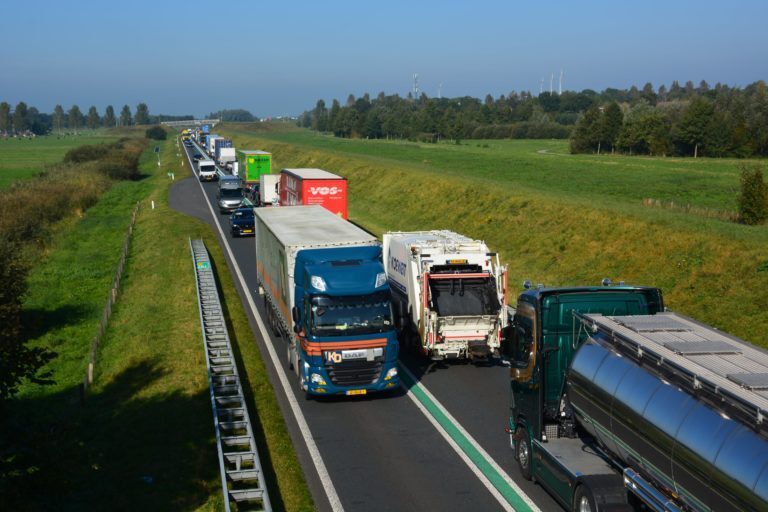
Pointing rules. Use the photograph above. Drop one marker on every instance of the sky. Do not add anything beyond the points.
(278, 58)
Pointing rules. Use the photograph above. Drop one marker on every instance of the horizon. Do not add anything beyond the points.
(291, 56)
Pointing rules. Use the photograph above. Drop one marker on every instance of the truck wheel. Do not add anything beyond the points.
(583, 500)
(290, 356)
(523, 452)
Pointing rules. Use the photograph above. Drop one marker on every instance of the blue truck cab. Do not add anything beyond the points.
(347, 343)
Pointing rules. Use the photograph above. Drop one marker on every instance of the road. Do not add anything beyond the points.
(437, 444)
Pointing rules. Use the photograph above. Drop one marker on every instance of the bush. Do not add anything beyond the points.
(87, 153)
(156, 133)
(753, 197)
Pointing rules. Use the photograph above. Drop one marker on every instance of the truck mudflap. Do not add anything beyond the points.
(349, 368)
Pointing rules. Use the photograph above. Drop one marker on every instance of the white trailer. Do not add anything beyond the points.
(211, 144)
(449, 291)
(269, 189)
(227, 157)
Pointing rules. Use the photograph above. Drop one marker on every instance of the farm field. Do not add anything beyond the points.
(557, 219)
(24, 158)
(546, 166)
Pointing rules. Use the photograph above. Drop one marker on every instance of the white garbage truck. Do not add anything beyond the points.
(449, 293)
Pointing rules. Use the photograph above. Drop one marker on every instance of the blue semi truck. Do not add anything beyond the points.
(326, 294)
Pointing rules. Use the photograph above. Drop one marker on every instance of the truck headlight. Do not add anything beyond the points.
(391, 374)
(318, 283)
(318, 379)
(381, 278)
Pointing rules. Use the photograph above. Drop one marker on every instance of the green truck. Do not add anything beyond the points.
(253, 163)
(617, 404)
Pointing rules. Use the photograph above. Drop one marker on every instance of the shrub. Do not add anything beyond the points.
(86, 153)
(156, 133)
(753, 196)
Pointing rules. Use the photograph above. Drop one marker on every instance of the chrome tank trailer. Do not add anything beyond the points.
(685, 447)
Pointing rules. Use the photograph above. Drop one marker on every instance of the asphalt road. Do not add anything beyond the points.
(388, 452)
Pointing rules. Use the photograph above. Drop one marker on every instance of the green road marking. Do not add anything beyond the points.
(512, 497)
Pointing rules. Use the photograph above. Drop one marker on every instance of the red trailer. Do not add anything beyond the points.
(314, 186)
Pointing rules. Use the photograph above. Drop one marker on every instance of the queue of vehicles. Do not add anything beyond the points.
(615, 403)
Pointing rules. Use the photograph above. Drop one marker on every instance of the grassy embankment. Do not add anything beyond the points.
(24, 158)
(555, 218)
(144, 439)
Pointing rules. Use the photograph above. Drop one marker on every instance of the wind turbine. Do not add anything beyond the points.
(560, 87)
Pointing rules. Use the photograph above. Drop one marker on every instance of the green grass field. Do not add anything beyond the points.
(144, 438)
(555, 218)
(24, 158)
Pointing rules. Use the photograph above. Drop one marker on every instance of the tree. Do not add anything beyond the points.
(74, 115)
(142, 114)
(125, 116)
(17, 361)
(93, 118)
(5, 117)
(109, 117)
(320, 117)
(611, 122)
(695, 126)
(753, 197)
(20, 117)
(58, 117)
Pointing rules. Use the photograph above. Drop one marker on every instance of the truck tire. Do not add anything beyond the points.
(583, 500)
(523, 452)
(290, 356)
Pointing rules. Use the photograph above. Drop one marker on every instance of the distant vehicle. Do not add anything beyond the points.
(314, 186)
(268, 192)
(206, 170)
(231, 193)
(197, 156)
(252, 164)
(241, 221)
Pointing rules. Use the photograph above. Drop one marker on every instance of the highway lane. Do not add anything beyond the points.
(381, 452)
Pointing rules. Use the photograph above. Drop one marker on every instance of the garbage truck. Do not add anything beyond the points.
(449, 293)
(326, 294)
(617, 404)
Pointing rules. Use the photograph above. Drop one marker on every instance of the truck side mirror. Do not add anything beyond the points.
(295, 314)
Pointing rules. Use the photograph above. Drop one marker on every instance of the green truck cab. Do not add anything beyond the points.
(541, 340)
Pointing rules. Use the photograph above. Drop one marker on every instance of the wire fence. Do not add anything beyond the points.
(111, 299)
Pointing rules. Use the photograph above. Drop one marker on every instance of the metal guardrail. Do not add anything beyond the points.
(242, 478)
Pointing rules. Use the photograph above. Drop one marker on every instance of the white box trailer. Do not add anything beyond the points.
(449, 291)
(269, 189)
(226, 157)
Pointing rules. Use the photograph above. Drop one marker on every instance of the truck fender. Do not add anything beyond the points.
(604, 491)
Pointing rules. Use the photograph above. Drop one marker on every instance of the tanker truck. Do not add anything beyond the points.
(326, 294)
(449, 293)
(619, 405)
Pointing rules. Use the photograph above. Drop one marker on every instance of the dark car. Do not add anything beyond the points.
(197, 156)
(241, 221)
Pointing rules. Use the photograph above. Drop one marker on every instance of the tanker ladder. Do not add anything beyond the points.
(242, 479)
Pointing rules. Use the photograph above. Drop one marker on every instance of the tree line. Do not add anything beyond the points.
(679, 119)
(23, 119)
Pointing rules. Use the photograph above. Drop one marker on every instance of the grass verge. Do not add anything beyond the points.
(144, 438)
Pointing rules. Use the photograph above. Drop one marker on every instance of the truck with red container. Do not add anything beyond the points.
(314, 186)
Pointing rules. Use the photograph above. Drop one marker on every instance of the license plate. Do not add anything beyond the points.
(357, 392)
(247, 231)
(354, 354)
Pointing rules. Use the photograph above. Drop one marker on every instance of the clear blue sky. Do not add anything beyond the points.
(280, 57)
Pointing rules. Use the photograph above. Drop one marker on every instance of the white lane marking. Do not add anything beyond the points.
(317, 459)
(472, 441)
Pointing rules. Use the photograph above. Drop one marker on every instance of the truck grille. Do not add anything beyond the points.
(354, 373)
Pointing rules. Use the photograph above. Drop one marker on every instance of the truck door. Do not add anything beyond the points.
(524, 369)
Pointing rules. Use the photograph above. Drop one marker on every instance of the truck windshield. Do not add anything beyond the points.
(464, 296)
(353, 315)
(232, 193)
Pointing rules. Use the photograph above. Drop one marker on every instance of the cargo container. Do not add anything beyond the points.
(314, 186)
(253, 163)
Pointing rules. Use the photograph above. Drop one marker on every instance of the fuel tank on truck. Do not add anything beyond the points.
(683, 445)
